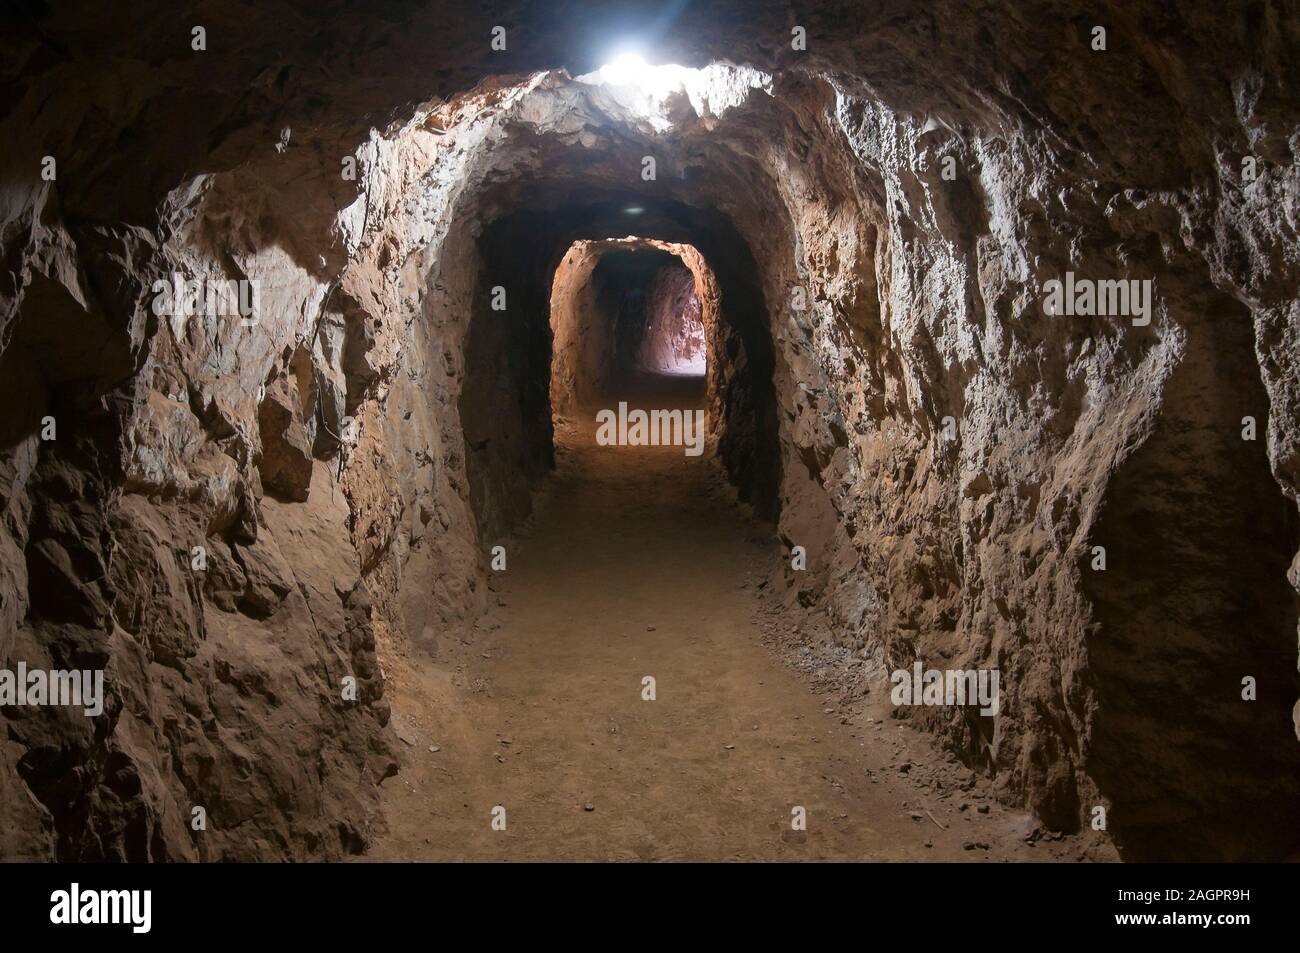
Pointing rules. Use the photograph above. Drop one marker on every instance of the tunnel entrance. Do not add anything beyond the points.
(629, 317)
(629, 343)
(576, 335)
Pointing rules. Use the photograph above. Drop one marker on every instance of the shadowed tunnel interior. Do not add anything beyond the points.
(633, 308)
(511, 359)
(305, 337)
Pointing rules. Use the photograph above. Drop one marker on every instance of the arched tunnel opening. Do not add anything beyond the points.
(663, 449)
(570, 329)
(628, 309)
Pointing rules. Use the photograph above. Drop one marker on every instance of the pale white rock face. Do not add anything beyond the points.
(949, 454)
(644, 93)
(674, 335)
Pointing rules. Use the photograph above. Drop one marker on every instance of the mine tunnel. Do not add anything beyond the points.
(630, 308)
(624, 424)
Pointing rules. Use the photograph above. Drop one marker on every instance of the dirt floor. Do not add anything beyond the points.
(638, 561)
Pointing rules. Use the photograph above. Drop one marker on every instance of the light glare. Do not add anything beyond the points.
(630, 69)
(626, 70)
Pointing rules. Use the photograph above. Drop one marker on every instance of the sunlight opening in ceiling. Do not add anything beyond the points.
(644, 88)
(631, 69)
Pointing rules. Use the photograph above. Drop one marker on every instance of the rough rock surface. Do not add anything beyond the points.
(673, 341)
(948, 453)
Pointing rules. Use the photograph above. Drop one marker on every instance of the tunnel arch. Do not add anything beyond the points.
(741, 383)
(588, 344)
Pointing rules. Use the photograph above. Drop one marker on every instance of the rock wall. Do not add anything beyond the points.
(673, 341)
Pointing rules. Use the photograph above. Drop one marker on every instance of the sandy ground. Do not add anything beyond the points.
(638, 562)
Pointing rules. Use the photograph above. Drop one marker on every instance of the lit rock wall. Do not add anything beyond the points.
(674, 332)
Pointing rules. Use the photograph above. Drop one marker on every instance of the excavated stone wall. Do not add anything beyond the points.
(883, 212)
(673, 340)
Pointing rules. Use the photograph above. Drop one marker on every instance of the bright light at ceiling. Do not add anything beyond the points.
(631, 84)
(629, 68)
